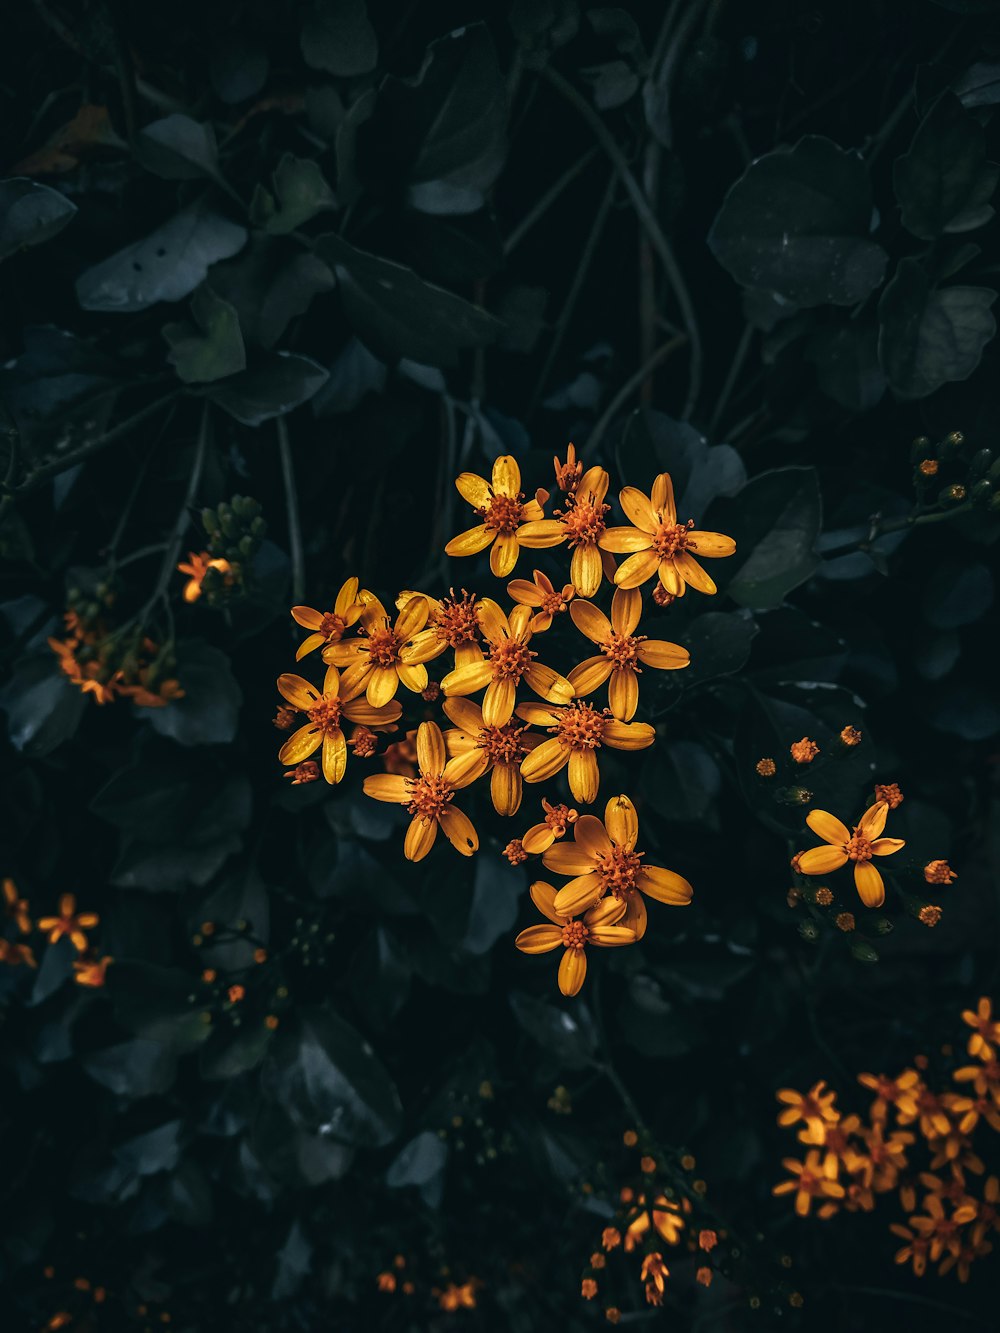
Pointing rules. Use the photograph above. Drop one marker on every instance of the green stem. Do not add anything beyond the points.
(173, 544)
(292, 507)
(547, 200)
(628, 388)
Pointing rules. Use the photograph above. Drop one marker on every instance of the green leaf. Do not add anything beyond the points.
(931, 336)
(30, 214)
(300, 192)
(137, 1068)
(493, 910)
(161, 1004)
(231, 1051)
(775, 521)
(719, 643)
(944, 183)
(337, 37)
(43, 709)
(653, 442)
(329, 1080)
(208, 714)
(273, 384)
(683, 781)
(847, 367)
(212, 347)
(797, 222)
(178, 148)
(567, 1032)
(399, 315)
(269, 288)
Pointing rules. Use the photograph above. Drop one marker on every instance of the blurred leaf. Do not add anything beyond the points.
(568, 1034)
(178, 148)
(55, 969)
(967, 711)
(338, 38)
(653, 442)
(212, 347)
(43, 709)
(55, 370)
(208, 714)
(653, 1024)
(166, 265)
(30, 214)
(238, 68)
(354, 374)
(847, 366)
(150, 1153)
(421, 1162)
(269, 288)
(979, 85)
(230, 1052)
(957, 594)
(274, 383)
(300, 192)
(719, 643)
(294, 1156)
(797, 222)
(944, 183)
(294, 1262)
(160, 1004)
(493, 910)
(683, 781)
(135, 1069)
(775, 521)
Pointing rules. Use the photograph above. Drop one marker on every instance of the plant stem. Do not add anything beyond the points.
(547, 200)
(292, 508)
(880, 529)
(732, 375)
(173, 543)
(629, 387)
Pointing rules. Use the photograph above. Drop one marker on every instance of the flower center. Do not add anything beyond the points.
(511, 659)
(574, 935)
(332, 627)
(580, 727)
(618, 870)
(671, 538)
(558, 819)
(429, 794)
(859, 848)
(623, 649)
(583, 521)
(553, 603)
(455, 620)
(325, 714)
(383, 646)
(503, 745)
(503, 513)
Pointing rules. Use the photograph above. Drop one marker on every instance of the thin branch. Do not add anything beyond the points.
(733, 374)
(548, 199)
(173, 544)
(292, 509)
(646, 217)
(628, 388)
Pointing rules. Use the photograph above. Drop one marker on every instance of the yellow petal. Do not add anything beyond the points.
(662, 498)
(693, 573)
(593, 485)
(590, 835)
(360, 710)
(474, 490)
(545, 761)
(578, 895)
(506, 789)
(492, 620)
(634, 571)
(425, 645)
(459, 830)
(382, 685)
(873, 820)
(626, 609)
(301, 745)
(539, 838)
(886, 846)
(331, 683)
(569, 858)
(431, 753)
(520, 590)
(468, 654)
(346, 598)
(590, 675)
(298, 692)
(464, 713)
(355, 679)
(467, 679)
(463, 769)
(821, 860)
(628, 735)
(470, 542)
(625, 541)
(345, 654)
(623, 693)
(538, 714)
(309, 645)
(413, 677)
(572, 971)
(663, 655)
(419, 838)
(638, 509)
(868, 882)
(586, 570)
(306, 617)
(666, 886)
(828, 827)
(388, 787)
(636, 916)
(711, 544)
(544, 896)
(541, 533)
(622, 821)
(670, 577)
(412, 618)
(520, 623)
(334, 756)
(608, 912)
(503, 556)
(584, 776)
(539, 939)
(590, 621)
(498, 702)
(506, 476)
(611, 937)
(549, 684)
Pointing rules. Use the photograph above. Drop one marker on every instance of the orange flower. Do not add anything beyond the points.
(428, 797)
(599, 926)
(985, 1036)
(16, 907)
(555, 824)
(503, 511)
(579, 731)
(197, 566)
(485, 749)
(326, 710)
(14, 955)
(860, 846)
(543, 595)
(890, 793)
(69, 922)
(803, 751)
(328, 626)
(939, 1230)
(602, 860)
(815, 1178)
(622, 650)
(568, 474)
(939, 872)
(92, 972)
(510, 661)
(453, 622)
(663, 1216)
(657, 544)
(581, 524)
(654, 1270)
(915, 1249)
(374, 661)
(815, 1108)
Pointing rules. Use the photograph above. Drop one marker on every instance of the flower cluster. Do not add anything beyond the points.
(89, 967)
(512, 715)
(917, 1144)
(115, 664)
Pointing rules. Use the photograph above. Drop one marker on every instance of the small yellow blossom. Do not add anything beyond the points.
(16, 907)
(428, 797)
(985, 1036)
(487, 749)
(327, 627)
(373, 662)
(326, 711)
(543, 597)
(504, 514)
(815, 1178)
(581, 524)
(578, 732)
(858, 846)
(556, 823)
(568, 474)
(197, 566)
(622, 652)
(598, 926)
(452, 622)
(93, 971)
(69, 922)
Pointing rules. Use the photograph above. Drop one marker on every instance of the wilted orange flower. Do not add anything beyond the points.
(69, 922)
(803, 751)
(930, 914)
(598, 926)
(92, 971)
(940, 1230)
(16, 955)
(890, 793)
(703, 1276)
(815, 1178)
(326, 711)
(428, 797)
(196, 567)
(860, 846)
(657, 544)
(845, 921)
(611, 1238)
(588, 1288)
(579, 731)
(939, 872)
(622, 651)
(510, 661)
(581, 524)
(928, 467)
(515, 853)
(963, 1258)
(362, 741)
(16, 907)
(568, 474)
(452, 622)
(541, 594)
(328, 627)
(602, 861)
(373, 661)
(302, 774)
(485, 749)
(707, 1240)
(555, 824)
(654, 1270)
(850, 736)
(504, 513)
(386, 1282)
(146, 692)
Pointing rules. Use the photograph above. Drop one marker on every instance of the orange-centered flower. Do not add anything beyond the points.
(556, 823)
(598, 926)
(510, 661)
(453, 622)
(578, 732)
(326, 711)
(860, 846)
(815, 1178)
(622, 651)
(602, 862)
(543, 595)
(16, 907)
(69, 922)
(502, 510)
(373, 661)
(485, 749)
(328, 626)
(196, 567)
(658, 544)
(428, 797)
(581, 524)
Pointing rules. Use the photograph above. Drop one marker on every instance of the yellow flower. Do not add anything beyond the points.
(69, 922)
(984, 1038)
(509, 662)
(663, 1215)
(92, 971)
(860, 846)
(502, 509)
(815, 1178)
(14, 955)
(815, 1108)
(453, 622)
(602, 861)
(373, 662)
(622, 651)
(581, 524)
(543, 595)
(326, 710)
(428, 797)
(485, 749)
(556, 823)
(16, 907)
(578, 732)
(657, 544)
(599, 926)
(197, 566)
(328, 627)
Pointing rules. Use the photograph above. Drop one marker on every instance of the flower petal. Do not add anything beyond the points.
(663, 655)
(579, 895)
(347, 598)
(419, 838)
(636, 916)
(334, 756)
(544, 896)
(468, 679)
(465, 713)
(711, 544)
(539, 838)
(458, 829)
(506, 788)
(412, 618)
(307, 617)
(498, 702)
(666, 886)
(539, 939)
(662, 498)
(638, 509)
(869, 884)
(538, 714)
(591, 835)
(545, 761)
(593, 484)
(431, 753)
(590, 675)
(470, 542)
(886, 846)
(608, 912)
(670, 577)
(586, 570)
(634, 571)
(622, 821)
(873, 820)
(473, 490)
(425, 645)
(584, 775)
(503, 556)
(591, 621)
(828, 827)
(821, 860)
(309, 645)
(693, 573)
(549, 684)
(628, 735)
(569, 858)
(623, 693)
(506, 476)
(528, 594)
(298, 692)
(382, 685)
(572, 971)
(541, 533)
(611, 937)
(301, 745)
(360, 710)
(414, 677)
(463, 769)
(626, 609)
(388, 787)
(625, 541)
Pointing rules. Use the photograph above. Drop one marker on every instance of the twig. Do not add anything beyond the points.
(646, 217)
(14, 444)
(910, 1297)
(880, 529)
(732, 375)
(628, 388)
(173, 544)
(548, 199)
(292, 508)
